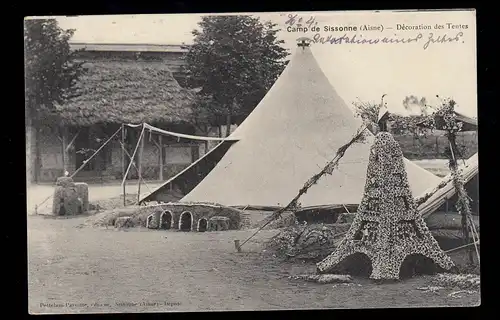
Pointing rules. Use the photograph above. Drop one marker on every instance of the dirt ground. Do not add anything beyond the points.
(87, 270)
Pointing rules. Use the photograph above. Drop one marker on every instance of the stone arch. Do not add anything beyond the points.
(417, 264)
(149, 220)
(186, 221)
(356, 264)
(202, 225)
(166, 220)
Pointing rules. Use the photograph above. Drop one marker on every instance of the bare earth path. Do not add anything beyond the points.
(154, 271)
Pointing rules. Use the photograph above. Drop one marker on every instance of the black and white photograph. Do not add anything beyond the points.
(252, 161)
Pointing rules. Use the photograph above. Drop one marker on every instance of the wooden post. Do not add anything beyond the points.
(437, 148)
(237, 245)
(65, 158)
(139, 158)
(161, 157)
(123, 164)
(459, 187)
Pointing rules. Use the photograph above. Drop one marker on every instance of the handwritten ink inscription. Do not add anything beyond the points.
(299, 24)
(359, 39)
(296, 23)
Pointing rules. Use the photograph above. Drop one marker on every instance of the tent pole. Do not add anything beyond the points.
(132, 158)
(64, 145)
(123, 164)
(139, 158)
(161, 156)
(459, 187)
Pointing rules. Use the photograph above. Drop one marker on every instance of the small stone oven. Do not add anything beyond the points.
(192, 217)
(70, 198)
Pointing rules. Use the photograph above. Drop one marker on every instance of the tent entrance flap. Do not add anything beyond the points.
(186, 180)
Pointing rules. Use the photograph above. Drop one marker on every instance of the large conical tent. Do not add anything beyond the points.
(290, 136)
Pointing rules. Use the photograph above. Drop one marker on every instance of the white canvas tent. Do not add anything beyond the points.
(445, 189)
(290, 136)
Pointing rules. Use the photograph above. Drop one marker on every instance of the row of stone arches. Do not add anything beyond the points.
(186, 222)
(166, 221)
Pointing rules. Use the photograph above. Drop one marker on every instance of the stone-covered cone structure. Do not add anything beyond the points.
(387, 227)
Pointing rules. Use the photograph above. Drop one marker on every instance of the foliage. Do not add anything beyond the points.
(412, 101)
(206, 110)
(462, 281)
(420, 126)
(235, 60)
(369, 111)
(303, 241)
(50, 71)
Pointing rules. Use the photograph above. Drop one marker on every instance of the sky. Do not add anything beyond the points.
(357, 71)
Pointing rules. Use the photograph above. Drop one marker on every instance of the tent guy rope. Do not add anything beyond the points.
(178, 135)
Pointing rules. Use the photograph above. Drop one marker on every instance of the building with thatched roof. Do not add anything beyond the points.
(122, 84)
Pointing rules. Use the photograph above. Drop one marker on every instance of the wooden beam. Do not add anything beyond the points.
(195, 152)
(139, 158)
(156, 143)
(123, 165)
(72, 141)
(132, 157)
(123, 148)
(160, 146)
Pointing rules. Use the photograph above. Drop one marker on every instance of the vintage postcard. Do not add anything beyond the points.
(252, 161)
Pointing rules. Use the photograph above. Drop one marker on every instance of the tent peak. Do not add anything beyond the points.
(304, 42)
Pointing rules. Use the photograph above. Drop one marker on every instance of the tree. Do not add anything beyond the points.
(235, 60)
(50, 72)
(412, 101)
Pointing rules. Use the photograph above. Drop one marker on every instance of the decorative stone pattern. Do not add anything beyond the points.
(387, 227)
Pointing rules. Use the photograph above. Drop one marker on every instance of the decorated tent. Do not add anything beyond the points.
(290, 136)
(387, 227)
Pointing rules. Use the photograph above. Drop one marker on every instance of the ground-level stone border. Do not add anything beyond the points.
(150, 216)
